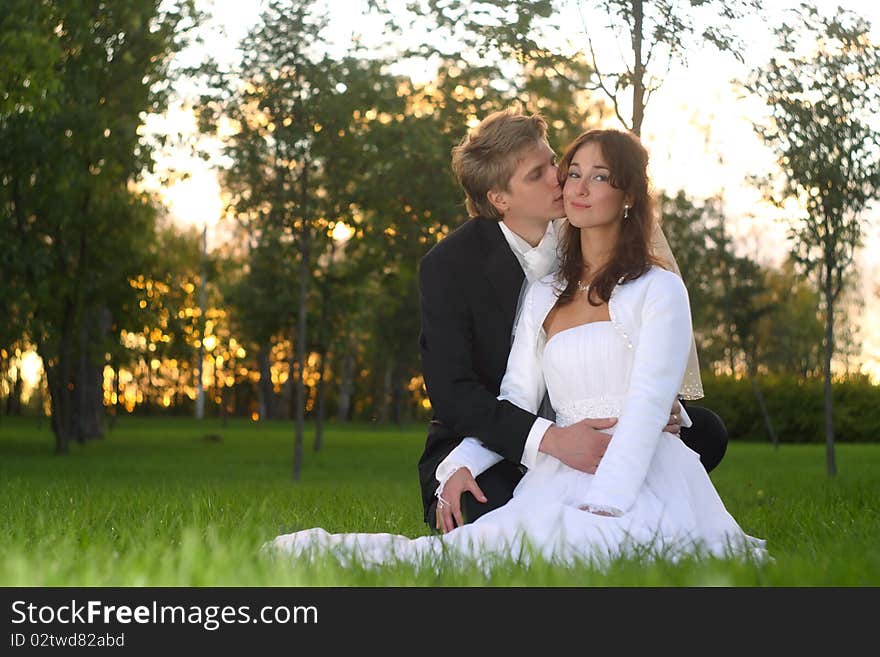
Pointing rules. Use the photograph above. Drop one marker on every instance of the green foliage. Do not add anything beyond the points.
(161, 506)
(791, 336)
(747, 317)
(75, 229)
(795, 408)
(320, 140)
(823, 91)
(652, 35)
(29, 54)
(161, 318)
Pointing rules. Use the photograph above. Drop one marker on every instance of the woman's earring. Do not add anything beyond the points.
(625, 211)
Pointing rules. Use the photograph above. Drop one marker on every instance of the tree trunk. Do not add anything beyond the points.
(396, 396)
(92, 413)
(638, 109)
(266, 390)
(53, 377)
(300, 403)
(286, 399)
(9, 396)
(41, 400)
(13, 400)
(114, 405)
(80, 380)
(727, 284)
(60, 384)
(222, 395)
(16, 392)
(829, 350)
(320, 342)
(319, 417)
(98, 410)
(301, 343)
(759, 397)
(89, 407)
(346, 382)
(235, 399)
(385, 401)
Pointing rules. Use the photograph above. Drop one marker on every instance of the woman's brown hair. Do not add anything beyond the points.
(627, 160)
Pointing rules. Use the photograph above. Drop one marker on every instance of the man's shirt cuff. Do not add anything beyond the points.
(685, 418)
(533, 441)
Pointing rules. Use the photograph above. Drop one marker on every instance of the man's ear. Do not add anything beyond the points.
(499, 200)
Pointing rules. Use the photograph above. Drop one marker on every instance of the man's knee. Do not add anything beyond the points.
(497, 484)
(471, 508)
(707, 436)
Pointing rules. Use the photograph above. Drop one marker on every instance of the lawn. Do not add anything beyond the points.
(174, 502)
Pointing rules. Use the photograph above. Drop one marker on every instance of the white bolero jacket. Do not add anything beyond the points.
(652, 315)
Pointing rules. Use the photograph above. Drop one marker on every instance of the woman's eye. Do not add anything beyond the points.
(600, 177)
(573, 174)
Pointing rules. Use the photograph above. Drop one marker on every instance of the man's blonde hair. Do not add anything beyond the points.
(489, 154)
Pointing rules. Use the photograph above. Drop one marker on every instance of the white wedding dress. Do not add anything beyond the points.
(664, 503)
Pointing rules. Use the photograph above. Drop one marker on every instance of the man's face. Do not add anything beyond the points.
(533, 194)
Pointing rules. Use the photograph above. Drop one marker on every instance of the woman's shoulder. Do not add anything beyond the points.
(658, 275)
(660, 282)
(656, 282)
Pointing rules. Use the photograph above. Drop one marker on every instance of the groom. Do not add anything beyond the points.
(470, 286)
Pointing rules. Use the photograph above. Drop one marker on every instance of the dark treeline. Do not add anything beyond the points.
(337, 180)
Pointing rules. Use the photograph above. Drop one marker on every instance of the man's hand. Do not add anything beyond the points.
(580, 445)
(449, 501)
(674, 426)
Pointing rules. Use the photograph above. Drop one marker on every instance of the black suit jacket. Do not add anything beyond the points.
(469, 285)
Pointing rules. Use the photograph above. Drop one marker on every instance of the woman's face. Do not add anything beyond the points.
(590, 200)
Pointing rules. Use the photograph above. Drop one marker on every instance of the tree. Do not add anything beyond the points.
(706, 269)
(823, 92)
(259, 297)
(298, 156)
(655, 34)
(28, 83)
(748, 302)
(159, 323)
(272, 98)
(78, 229)
(28, 77)
(792, 334)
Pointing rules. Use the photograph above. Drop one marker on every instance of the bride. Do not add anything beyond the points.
(609, 335)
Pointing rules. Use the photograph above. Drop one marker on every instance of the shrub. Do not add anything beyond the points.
(796, 408)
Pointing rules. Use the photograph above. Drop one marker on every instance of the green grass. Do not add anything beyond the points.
(157, 504)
